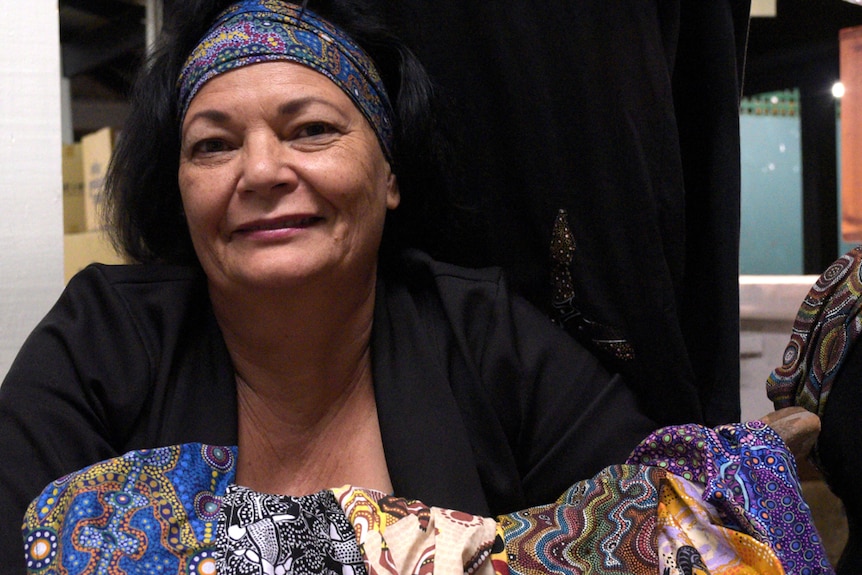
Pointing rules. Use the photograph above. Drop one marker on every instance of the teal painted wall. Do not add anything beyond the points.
(771, 161)
(771, 218)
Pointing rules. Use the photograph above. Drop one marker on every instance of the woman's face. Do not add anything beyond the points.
(283, 180)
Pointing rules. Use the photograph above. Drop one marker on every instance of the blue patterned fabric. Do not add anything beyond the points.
(150, 511)
(255, 31)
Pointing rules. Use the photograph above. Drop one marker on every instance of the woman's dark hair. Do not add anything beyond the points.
(143, 208)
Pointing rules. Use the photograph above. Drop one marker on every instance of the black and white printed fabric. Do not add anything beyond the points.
(260, 533)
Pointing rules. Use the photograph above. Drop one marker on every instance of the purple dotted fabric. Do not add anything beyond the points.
(750, 476)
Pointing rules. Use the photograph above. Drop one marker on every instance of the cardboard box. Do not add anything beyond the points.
(82, 249)
(96, 149)
(74, 219)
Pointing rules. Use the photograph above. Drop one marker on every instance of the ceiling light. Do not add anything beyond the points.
(838, 90)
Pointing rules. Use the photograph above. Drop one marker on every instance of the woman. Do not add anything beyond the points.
(262, 318)
(217, 404)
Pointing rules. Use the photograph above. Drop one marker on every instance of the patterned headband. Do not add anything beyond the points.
(252, 31)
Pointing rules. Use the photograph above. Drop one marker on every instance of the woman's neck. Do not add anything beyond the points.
(297, 343)
(307, 415)
(299, 449)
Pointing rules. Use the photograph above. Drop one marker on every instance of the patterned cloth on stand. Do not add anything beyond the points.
(826, 326)
(689, 500)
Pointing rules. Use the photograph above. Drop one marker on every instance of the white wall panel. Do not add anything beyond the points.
(31, 218)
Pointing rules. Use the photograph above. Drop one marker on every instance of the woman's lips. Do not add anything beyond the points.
(279, 224)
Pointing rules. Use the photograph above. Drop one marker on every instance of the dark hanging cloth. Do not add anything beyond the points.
(598, 143)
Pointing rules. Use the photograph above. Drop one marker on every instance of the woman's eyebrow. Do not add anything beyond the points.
(288, 108)
(296, 105)
(210, 114)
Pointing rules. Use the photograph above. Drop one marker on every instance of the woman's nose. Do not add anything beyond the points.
(266, 164)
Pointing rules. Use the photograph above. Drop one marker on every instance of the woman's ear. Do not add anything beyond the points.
(393, 193)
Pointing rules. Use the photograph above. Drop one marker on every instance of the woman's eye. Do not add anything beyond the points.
(315, 129)
(210, 146)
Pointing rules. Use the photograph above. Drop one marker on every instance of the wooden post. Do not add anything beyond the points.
(850, 40)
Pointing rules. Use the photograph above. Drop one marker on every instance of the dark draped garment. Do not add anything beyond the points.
(599, 144)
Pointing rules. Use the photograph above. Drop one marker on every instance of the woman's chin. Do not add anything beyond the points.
(292, 274)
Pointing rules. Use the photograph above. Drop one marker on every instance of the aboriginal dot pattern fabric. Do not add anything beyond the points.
(635, 520)
(826, 327)
(747, 474)
(254, 31)
(690, 500)
(149, 511)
